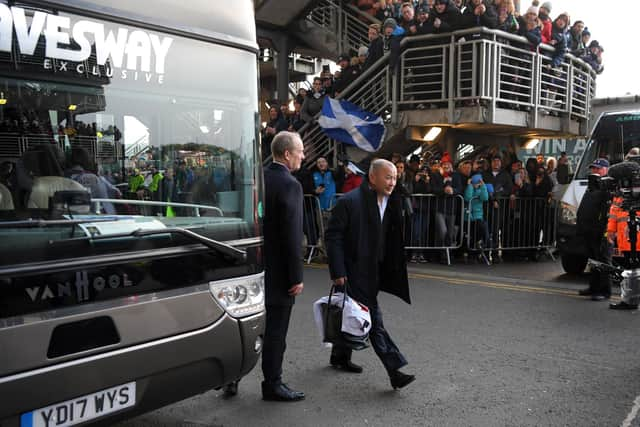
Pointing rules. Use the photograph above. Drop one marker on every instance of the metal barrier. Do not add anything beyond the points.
(313, 226)
(527, 223)
(437, 223)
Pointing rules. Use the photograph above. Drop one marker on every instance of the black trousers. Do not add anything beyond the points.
(275, 342)
(381, 342)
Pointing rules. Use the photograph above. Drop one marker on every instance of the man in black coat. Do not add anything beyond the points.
(283, 258)
(366, 252)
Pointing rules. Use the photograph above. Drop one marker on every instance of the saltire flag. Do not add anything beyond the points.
(348, 123)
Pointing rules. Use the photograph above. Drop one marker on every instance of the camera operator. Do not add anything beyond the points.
(591, 225)
(618, 236)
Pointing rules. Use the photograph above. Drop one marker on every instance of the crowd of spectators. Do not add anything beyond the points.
(418, 17)
(484, 182)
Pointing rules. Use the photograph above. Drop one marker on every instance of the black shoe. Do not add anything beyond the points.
(347, 366)
(231, 390)
(400, 379)
(280, 393)
(585, 292)
(623, 306)
(599, 297)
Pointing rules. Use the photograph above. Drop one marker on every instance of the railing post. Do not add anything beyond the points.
(497, 70)
(570, 77)
(451, 73)
(396, 89)
(536, 85)
(339, 29)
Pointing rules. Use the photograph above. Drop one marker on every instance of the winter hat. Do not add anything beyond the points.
(547, 5)
(363, 51)
(442, 2)
(533, 10)
(586, 32)
(475, 179)
(390, 22)
(446, 158)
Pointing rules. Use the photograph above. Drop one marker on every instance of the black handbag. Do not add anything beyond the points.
(333, 334)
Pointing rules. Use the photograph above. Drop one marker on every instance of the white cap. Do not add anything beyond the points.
(363, 51)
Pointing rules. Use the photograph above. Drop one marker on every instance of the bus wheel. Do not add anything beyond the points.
(574, 264)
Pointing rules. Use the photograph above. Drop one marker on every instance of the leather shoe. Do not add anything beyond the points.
(623, 306)
(280, 393)
(347, 366)
(585, 292)
(599, 297)
(400, 379)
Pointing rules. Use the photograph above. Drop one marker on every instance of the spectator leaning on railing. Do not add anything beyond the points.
(376, 46)
(560, 39)
(406, 20)
(530, 27)
(445, 16)
(594, 56)
(507, 20)
(313, 101)
(544, 14)
(326, 182)
(478, 14)
(423, 23)
(576, 45)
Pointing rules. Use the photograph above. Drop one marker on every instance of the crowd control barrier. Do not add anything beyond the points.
(313, 226)
(437, 223)
(527, 223)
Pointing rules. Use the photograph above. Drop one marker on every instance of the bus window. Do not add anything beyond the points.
(169, 143)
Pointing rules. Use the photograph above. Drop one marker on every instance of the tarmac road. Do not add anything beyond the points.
(507, 345)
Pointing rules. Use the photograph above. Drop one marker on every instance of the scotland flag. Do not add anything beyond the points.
(348, 123)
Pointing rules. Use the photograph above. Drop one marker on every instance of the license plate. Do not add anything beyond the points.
(81, 409)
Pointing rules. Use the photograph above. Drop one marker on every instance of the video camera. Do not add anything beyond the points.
(623, 181)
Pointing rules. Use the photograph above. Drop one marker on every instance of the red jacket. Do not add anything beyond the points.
(352, 182)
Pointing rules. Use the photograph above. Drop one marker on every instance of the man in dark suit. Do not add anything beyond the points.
(366, 251)
(283, 258)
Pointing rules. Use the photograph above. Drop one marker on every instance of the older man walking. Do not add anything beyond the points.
(366, 252)
(283, 258)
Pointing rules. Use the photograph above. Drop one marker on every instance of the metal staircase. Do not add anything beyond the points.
(476, 80)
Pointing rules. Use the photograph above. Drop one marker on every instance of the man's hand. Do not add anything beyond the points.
(340, 281)
(296, 290)
(611, 238)
(437, 22)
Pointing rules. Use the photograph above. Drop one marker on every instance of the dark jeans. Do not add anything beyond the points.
(381, 342)
(275, 342)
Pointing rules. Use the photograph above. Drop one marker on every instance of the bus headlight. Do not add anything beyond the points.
(568, 214)
(240, 297)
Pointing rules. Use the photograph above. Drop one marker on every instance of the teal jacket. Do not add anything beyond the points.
(475, 198)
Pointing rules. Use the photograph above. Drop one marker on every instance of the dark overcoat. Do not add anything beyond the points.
(359, 251)
(282, 234)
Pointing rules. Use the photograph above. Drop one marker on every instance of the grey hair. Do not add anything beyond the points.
(282, 142)
(379, 164)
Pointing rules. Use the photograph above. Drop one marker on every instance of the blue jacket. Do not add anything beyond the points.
(329, 183)
(476, 198)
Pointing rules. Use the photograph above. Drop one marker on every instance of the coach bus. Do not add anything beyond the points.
(130, 206)
(613, 135)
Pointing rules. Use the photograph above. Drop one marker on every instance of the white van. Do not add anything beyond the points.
(613, 135)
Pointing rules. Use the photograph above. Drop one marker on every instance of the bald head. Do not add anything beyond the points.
(382, 176)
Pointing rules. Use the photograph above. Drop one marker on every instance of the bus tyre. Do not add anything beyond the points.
(574, 264)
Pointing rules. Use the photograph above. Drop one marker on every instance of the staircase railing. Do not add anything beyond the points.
(350, 24)
(451, 71)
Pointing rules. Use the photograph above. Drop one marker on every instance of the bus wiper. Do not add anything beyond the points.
(216, 245)
(43, 223)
